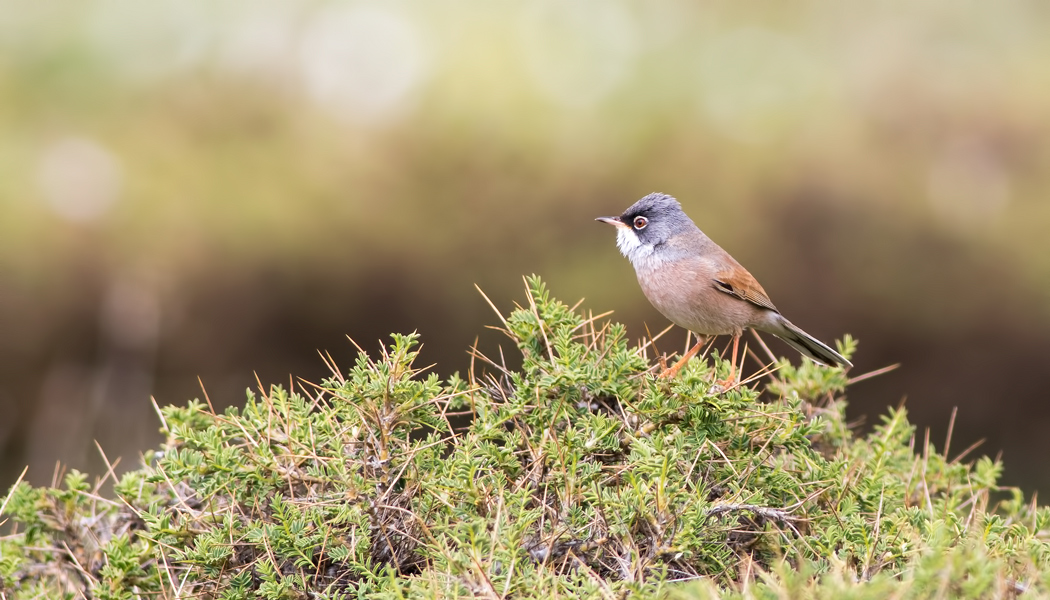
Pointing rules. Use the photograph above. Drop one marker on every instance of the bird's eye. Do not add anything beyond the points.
(640, 222)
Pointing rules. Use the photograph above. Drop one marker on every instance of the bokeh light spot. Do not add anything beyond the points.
(578, 52)
(79, 179)
(361, 61)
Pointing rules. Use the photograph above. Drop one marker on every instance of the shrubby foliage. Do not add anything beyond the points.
(582, 474)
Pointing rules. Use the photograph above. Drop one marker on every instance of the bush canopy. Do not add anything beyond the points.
(581, 474)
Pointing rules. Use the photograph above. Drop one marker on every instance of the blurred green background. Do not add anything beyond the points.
(220, 189)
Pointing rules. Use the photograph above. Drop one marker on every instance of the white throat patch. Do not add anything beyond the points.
(633, 248)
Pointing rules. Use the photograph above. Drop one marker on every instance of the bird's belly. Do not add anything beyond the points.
(690, 300)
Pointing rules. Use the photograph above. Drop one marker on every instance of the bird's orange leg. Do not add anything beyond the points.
(671, 372)
(729, 381)
(732, 359)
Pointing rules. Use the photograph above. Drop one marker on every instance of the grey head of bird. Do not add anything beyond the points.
(647, 226)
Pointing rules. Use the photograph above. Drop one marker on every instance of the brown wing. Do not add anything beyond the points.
(738, 282)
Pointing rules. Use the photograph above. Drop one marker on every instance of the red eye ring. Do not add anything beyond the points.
(640, 222)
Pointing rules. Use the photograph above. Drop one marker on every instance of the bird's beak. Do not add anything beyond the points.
(614, 221)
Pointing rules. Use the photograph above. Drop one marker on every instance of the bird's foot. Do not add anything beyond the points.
(723, 385)
(670, 373)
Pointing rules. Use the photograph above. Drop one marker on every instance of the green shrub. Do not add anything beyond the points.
(582, 474)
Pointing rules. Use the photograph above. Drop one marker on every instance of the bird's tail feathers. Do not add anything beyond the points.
(809, 345)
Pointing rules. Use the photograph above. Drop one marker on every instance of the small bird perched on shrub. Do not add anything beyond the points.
(697, 285)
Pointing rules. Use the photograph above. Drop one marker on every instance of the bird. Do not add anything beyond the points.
(697, 285)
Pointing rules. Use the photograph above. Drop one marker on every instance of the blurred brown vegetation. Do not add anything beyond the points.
(219, 190)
